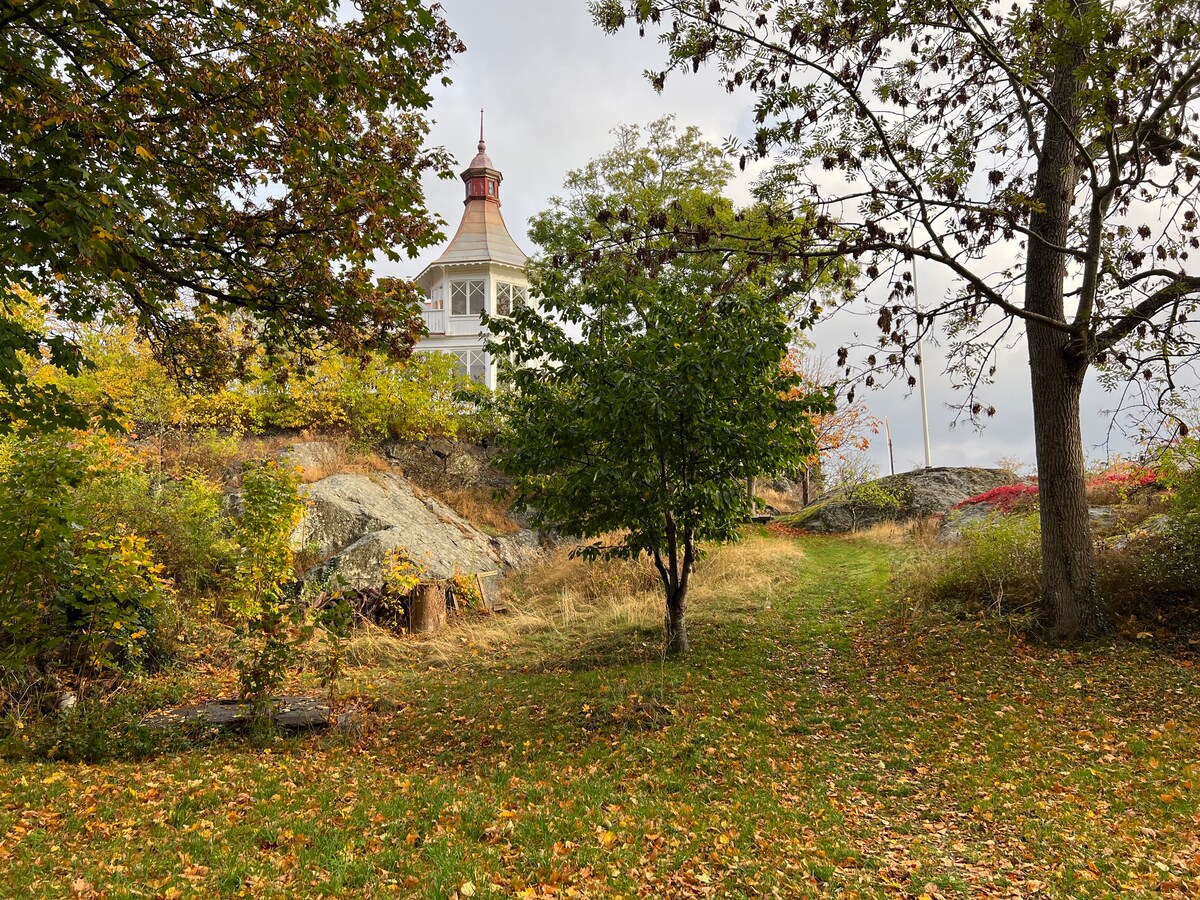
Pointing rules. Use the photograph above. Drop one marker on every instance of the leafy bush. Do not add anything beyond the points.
(1148, 571)
(93, 543)
(227, 409)
(1119, 483)
(183, 518)
(77, 596)
(375, 399)
(1179, 472)
(995, 565)
(1158, 568)
(465, 589)
(372, 397)
(270, 509)
(122, 373)
(266, 616)
(100, 730)
(870, 498)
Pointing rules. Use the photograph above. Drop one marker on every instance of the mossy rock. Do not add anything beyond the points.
(896, 498)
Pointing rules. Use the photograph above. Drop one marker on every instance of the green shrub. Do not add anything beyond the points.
(1157, 569)
(1179, 473)
(264, 613)
(374, 399)
(123, 373)
(871, 499)
(105, 728)
(183, 518)
(77, 597)
(995, 565)
(232, 410)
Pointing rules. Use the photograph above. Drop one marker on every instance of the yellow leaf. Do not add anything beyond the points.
(144, 153)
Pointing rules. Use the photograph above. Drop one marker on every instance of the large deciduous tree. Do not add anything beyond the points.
(648, 388)
(1043, 153)
(179, 160)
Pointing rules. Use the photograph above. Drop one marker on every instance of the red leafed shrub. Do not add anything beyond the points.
(1005, 498)
(1125, 477)
(1115, 485)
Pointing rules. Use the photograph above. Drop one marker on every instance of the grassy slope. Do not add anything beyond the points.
(812, 744)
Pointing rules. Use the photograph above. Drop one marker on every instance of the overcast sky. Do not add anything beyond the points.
(554, 86)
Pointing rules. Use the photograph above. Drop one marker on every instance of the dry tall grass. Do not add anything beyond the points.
(778, 500)
(482, 508)
(339, 456)
(221, 455)
(564, 604)
(921, 533)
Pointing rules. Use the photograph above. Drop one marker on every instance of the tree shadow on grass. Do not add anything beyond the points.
(629, 646)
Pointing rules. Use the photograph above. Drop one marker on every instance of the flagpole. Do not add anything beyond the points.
(921, 373)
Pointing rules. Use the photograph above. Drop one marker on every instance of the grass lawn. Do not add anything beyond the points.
(818, 741)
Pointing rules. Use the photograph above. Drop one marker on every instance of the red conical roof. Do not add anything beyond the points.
(482, 235)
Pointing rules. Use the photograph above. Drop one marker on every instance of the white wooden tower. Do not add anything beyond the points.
(482, 268)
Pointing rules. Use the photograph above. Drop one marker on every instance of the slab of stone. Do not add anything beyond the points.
(291, 713)
(921, 493)
(353, 521)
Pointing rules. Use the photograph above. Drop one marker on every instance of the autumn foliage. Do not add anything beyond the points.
(1004, 498)
(844, 429)
(848, 427)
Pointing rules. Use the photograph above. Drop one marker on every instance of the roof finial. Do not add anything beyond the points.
(482, 145)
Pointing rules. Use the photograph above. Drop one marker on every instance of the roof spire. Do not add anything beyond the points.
(481, 160)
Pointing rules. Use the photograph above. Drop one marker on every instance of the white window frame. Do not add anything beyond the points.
(465, 286)
(471, 359)
(510, 297)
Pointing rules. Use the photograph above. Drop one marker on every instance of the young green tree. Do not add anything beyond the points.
(1044, 154)
(178, 160)
(650, 388)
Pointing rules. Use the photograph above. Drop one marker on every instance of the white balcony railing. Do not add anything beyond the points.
(465, 325)
(435, 320)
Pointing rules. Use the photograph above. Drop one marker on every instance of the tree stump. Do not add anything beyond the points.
(428, 613)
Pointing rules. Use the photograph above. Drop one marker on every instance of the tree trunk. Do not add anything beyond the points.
(675, 573)
(675, 624)
(1068, 577)
(428, 613)
(1057, 367)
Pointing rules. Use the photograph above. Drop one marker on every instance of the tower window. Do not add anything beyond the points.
(471, 363)
(509, 297)
(466, 298)
(491, 189)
